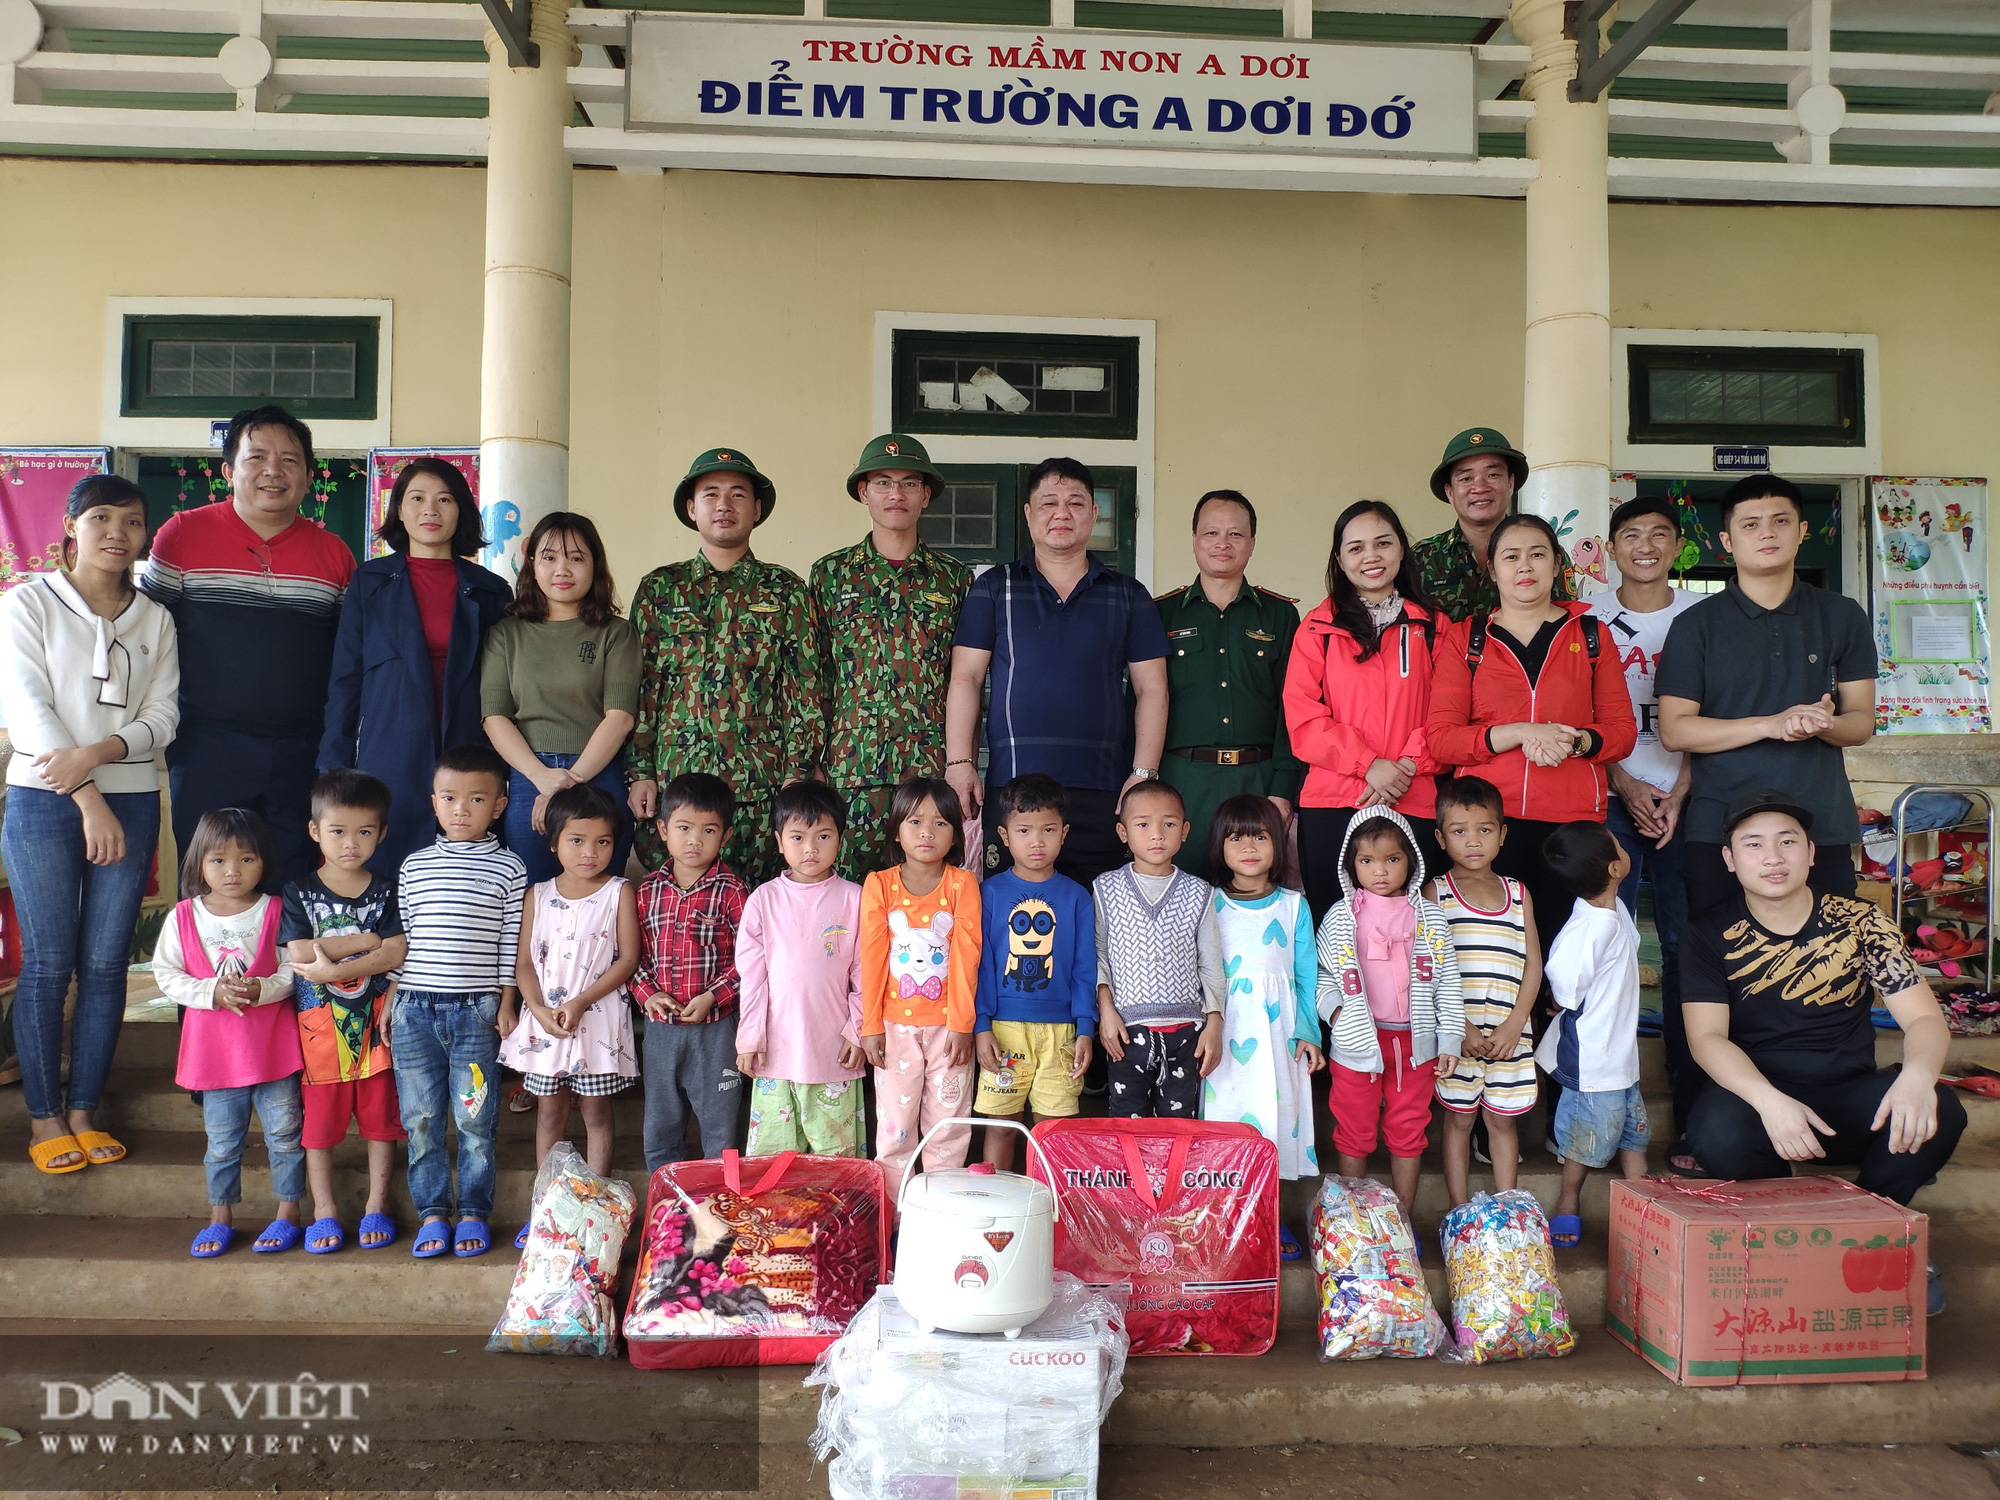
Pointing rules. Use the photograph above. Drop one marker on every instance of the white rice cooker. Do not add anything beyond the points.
(976, 1251)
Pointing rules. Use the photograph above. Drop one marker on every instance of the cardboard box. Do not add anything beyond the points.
(1789, 1281)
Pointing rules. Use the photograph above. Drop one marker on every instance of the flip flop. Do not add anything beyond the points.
(41, 1153)
(319, 1230)
(433, 1239)
(521, 1239)
(1683, 1162)
(473, 1237)
(212, 1241)
(1289, 1247)
(376, 1224)
(284, 1232)
(97, 1140)
(1566, 1231)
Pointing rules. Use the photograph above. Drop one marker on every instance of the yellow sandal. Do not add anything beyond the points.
(41, 1153)
(97, 1140)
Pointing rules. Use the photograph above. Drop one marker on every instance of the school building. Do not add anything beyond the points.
(1285, 246)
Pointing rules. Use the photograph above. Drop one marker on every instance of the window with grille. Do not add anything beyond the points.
(978, 517)
(214, 367)
(1026, 384)
(1793, 397)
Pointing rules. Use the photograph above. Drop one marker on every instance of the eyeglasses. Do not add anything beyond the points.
(881, 485)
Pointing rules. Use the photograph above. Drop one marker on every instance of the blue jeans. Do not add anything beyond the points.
(76, 919)
(534, 847)
(225, 1114)
(1667, 870)
(446, 1056)
(1591, 1128)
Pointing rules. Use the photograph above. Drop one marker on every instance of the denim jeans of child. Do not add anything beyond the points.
(76, 918)
(225, 1114)
(446, 1056)
(532, 847)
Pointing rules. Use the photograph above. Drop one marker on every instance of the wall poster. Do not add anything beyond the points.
(34, 486)
(1929, 586)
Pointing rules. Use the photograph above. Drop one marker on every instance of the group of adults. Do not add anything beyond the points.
(1644, 708)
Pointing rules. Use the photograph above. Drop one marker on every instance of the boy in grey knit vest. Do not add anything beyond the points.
(1160, 984)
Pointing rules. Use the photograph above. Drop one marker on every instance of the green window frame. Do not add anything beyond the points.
(979, 517)
(1681, 393)
(1068, 406)
(154, 344)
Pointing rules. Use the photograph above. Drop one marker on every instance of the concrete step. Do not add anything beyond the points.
(424, 1387)
(162, 1178)
(138, 1271)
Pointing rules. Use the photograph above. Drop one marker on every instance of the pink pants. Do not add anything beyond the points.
(1396, 1101)
(915, 1088)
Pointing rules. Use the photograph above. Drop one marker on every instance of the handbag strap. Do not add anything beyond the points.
(1142, 1185)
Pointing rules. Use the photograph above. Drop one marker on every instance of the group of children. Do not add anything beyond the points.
(393, 1005)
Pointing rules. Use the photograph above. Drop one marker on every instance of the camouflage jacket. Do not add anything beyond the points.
(730, 680)
(1459, 586)
(885, 658)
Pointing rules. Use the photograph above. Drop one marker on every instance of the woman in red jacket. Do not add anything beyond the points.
(1540, 714)
(1357, 691)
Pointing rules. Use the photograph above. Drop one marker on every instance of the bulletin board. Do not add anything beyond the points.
(34, 488)
(1928, 561)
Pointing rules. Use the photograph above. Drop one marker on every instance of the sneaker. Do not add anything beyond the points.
(1933, 1290)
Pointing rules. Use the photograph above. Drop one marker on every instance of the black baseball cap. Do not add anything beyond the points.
(1762, 801)
(1645, 505)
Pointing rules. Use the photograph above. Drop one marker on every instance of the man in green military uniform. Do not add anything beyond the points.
(731, 674)
(886, 609)
(1478, 477)
(1227, 646)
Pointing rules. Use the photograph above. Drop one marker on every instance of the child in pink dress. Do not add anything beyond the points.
(579, 945)
(218, 956)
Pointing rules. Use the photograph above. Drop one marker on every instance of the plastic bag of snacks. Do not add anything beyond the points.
(1505, 1303)
(561, 1301)
(1372, 1297)
(757, 1260)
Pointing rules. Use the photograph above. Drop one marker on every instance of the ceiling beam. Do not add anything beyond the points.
(1595, 70)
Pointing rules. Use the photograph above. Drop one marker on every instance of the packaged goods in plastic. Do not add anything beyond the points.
(758, 1260)
(1505, 1303)
(561, 1302)
(1372, 1296)
(911, 1415)
(1185, 1210)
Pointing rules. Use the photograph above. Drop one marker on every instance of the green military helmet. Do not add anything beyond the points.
(894, 450)
(1476, 442)
(719, 461)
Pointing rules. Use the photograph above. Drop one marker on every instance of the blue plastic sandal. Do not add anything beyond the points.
(376, 1224)
(1566, 1231)
(521, 1239)
(473, 1237)
(279, 1236)
(433, 1239)
(322, 1229)
(1289, 1247)
(212, 1241)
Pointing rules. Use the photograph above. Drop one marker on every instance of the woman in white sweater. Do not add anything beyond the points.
(89, 683)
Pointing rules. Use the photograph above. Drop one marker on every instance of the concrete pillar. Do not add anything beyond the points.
(524, 353)
(1566, 390)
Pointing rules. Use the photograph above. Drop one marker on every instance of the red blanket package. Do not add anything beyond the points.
(755, 1260)
(1187, 1211)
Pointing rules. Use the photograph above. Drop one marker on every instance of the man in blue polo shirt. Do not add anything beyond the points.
(1059, 632)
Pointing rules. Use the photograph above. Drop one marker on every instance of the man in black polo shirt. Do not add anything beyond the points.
(1776, 988)
(1059, 633)
(1764, 684)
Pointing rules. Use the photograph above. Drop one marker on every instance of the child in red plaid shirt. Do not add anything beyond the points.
(686, 983)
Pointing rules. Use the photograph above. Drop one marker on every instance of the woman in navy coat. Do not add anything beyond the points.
(406, 661)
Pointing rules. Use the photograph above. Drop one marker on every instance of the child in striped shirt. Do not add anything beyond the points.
(460, 901)
(1499, 971)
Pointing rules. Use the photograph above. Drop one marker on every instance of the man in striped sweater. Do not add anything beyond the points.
(460, 901)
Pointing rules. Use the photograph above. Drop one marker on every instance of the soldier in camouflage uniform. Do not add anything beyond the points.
(730, 679)
(886, 609)
(1478, 477)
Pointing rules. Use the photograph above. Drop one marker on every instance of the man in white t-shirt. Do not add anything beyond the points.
(1650, 785)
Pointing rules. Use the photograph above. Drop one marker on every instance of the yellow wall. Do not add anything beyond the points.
(1312, 349)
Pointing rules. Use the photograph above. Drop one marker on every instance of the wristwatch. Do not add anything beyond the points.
(1145, 773)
